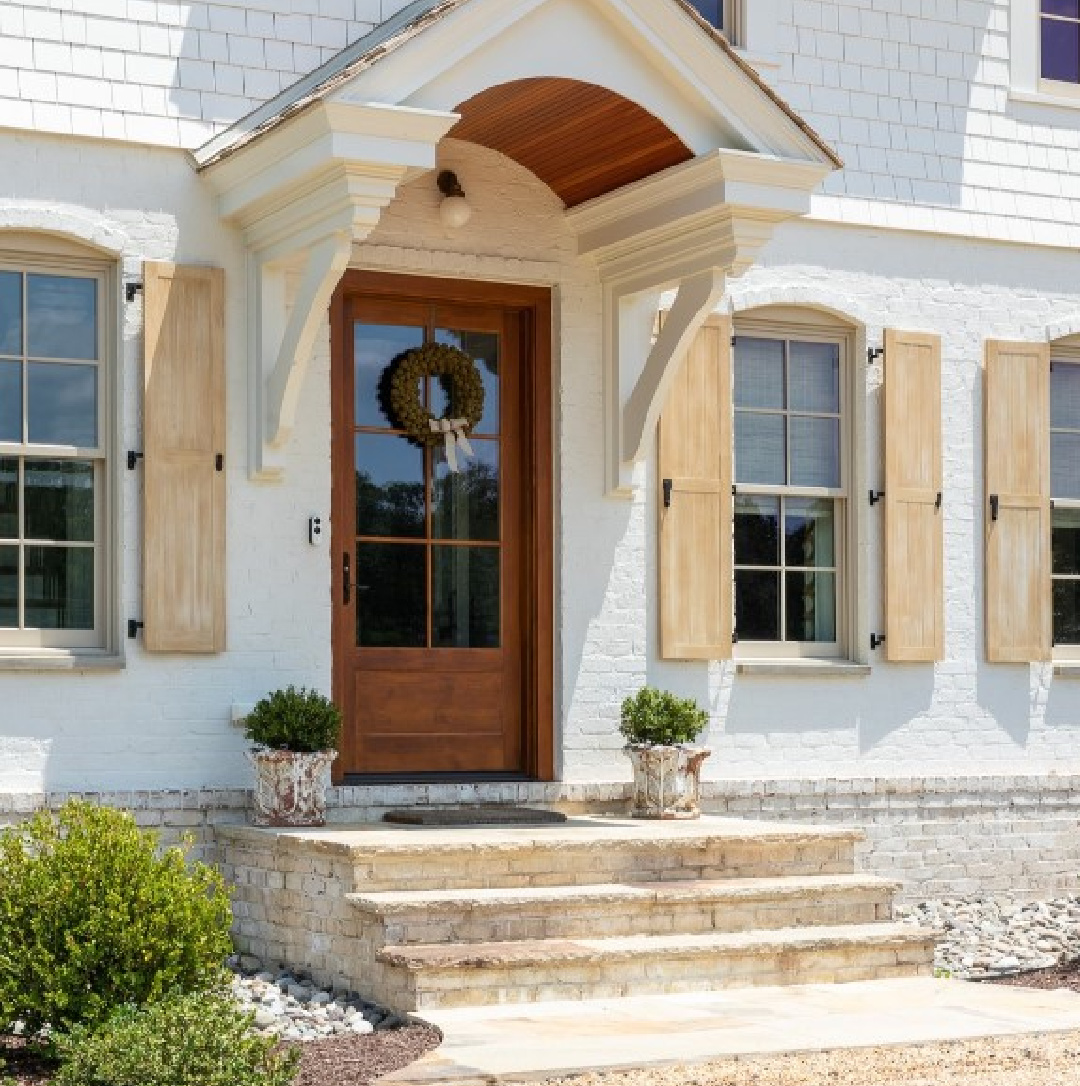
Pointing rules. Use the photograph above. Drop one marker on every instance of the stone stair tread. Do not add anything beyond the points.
(428, 957)
(714, 891)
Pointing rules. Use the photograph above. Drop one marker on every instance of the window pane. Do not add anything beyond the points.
(9, 498)
(375, 347)
(814, 377)
(811, 606)
(1060, 50)
(61, 317)
(391, 595)
(10, 313)
(1067, 612)
(757, 531)
(465, 604)
(1066, 534)
(465, 504)
(10, 401)
(757, 605)
(60, 588)
(389, 487)
(759, 372)
(815, 452)
(1065, 465)
(760, 457)
(59, 500)
(1065, 396)
(713, 10)
(483, 348)
(809, 532)
(1069, 8)
(62, 404)
(9, 587)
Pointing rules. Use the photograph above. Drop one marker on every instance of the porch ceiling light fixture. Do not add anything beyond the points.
(455, 211)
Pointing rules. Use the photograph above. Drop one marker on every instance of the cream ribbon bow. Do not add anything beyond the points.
(453, 430)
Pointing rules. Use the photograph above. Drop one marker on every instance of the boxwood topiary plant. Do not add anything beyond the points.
(183, 1040)
(657, 718)
(302, 721)
(93, 916)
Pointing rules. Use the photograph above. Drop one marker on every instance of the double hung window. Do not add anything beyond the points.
(790, 495)
(1059, 40)
(1065, 495)
(52, 457)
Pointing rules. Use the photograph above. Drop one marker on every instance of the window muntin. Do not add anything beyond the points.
(790, 509)
(1059, 40)
(52, 457)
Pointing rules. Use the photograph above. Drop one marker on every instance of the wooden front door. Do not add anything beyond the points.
(440, 623)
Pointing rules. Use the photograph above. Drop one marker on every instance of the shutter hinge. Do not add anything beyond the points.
(133, 458)
(131, 289)
(876, 496)
(219, 462)
(873, 354)
(134, 626)
(876, 641)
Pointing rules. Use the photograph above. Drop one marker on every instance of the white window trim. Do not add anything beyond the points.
(29, 252)
(1025, 62)
(755, 30)
(852, 581)
(1062, 351)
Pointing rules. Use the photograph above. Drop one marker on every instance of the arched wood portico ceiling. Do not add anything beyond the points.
(582, 140)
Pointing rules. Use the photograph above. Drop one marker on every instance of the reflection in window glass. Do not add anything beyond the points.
(389, 487)
(757, 605)
(59, 587)
(465, 503)
(59, 499)
(810, 605)
(483, 348)
(11, 313)
(465, 597)
(61, 317)
(9, 587)
(11, 401)
(61, 405)
(375, 348)
(757, 531)
(9, 498)
(391, 595)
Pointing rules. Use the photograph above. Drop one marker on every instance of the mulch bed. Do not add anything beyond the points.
(1060, 976)
(338, 1061)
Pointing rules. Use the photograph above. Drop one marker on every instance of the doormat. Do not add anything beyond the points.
(487, 815)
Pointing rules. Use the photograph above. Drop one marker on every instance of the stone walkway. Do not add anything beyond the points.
(552, 1040)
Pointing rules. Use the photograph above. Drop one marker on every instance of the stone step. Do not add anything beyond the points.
(620, 909)
(581, 852)
(473, 974)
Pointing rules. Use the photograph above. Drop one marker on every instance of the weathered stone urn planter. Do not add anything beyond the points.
(667, 780)
(290, 787)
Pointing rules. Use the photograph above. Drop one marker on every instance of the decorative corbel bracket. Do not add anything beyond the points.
(688, 229)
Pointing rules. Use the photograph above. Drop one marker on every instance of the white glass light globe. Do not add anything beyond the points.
(455, 212)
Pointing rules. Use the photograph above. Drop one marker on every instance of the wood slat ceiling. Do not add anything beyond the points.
(581, 140)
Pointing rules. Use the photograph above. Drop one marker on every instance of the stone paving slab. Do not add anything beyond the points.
(552, 1040)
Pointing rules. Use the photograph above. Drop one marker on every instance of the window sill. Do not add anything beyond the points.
(1067, 669)
(1043, 98)
(61, 661)
(802, 669)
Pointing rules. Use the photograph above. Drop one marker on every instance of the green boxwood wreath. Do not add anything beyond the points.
(435, 360)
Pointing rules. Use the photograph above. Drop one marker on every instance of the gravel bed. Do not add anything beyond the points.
(1050, 1060)
(987, 937)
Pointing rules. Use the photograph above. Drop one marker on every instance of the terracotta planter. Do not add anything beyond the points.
(290, 788)
(667, 781)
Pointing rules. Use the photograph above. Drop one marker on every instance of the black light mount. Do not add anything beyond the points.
(448, 184)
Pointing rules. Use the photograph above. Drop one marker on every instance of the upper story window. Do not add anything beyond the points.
(1059, 35)
(1065, 495)
(723, 14)
(53, 481)
(791, 517)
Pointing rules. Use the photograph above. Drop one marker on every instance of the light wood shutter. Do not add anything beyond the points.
(184, 435)
(1017, 512)
(695, 502)
(914, 540)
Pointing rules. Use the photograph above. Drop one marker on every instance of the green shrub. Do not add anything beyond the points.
(658, 718)
(296, 720)
(199, 1039)
(92, 917)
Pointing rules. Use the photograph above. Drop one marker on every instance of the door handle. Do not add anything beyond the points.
(346, 578)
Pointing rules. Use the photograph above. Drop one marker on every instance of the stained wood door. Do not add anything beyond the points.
(430, 646)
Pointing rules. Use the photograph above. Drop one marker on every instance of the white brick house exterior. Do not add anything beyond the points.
(956, 213)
